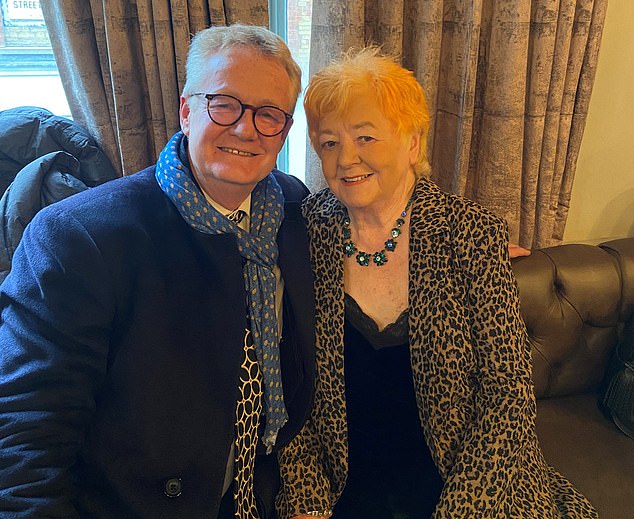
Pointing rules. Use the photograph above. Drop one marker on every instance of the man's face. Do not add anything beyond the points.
(228, 161)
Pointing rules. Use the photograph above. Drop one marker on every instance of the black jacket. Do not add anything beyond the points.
(45, 180)
(43, 158)
(29, 132)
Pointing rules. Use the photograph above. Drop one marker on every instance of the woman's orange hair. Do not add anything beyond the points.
(398, 94)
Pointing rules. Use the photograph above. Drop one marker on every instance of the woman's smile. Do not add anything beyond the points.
(356, 179)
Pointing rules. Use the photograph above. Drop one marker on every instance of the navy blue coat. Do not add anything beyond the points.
(121, 342)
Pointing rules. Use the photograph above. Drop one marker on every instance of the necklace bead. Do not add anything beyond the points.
(379, 258)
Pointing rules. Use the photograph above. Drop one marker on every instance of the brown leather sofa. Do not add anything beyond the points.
(578, 303)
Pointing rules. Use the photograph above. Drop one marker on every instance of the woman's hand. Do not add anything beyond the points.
(515, 251)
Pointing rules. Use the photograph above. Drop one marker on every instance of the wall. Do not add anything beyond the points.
(602, 203)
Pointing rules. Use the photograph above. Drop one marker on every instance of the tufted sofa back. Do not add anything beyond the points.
(574, 299)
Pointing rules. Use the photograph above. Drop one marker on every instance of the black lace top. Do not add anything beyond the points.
(391, 473)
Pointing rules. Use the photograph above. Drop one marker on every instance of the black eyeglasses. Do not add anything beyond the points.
(226, 110)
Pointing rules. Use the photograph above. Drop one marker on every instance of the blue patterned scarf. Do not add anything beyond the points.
(258, 247)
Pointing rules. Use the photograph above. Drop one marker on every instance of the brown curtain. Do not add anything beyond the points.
(122, 64)
(508, 84)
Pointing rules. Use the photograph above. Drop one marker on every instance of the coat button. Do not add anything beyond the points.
(173, 487)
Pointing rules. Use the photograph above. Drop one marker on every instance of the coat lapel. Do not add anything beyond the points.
(437, 292)
(299, 318)
(325, 215)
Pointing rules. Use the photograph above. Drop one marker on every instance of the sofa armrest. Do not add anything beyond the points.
(623, 251)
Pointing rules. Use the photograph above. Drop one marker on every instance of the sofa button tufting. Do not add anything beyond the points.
(173, 487)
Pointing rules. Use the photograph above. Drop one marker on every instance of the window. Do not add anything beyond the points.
(291, 19)
(28, 72)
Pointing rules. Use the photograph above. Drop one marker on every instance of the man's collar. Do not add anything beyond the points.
(182, 152)
(244, 206)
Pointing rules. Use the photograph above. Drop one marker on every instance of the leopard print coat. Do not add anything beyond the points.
(470, 361)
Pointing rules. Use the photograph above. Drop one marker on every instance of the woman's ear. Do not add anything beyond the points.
(414, 148)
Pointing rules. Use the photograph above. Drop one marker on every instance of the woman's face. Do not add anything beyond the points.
(366, 163)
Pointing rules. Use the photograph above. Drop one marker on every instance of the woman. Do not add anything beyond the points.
(424, 404)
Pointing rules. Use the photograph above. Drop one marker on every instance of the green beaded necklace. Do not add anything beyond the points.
(378, 258)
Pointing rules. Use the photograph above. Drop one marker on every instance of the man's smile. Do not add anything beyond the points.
(234, 151)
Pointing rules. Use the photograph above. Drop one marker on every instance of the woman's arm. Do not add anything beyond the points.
(498, 451)
(304, 486)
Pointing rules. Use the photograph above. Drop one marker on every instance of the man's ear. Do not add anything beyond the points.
(284, 134)
(184, 115)
(287, 129)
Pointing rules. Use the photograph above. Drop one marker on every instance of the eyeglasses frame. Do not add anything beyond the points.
(244, 107)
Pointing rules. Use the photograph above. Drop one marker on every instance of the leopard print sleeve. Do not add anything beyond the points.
(304, 488)
(498, 469)
(487, 460)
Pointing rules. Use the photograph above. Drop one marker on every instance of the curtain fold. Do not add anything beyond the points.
(508, 84)
(122, 64)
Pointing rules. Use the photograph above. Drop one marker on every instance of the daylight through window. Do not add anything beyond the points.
(28, 72)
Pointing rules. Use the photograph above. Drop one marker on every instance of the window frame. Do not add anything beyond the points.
(278, 23)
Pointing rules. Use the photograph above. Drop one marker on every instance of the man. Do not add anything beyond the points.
(157, 331)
